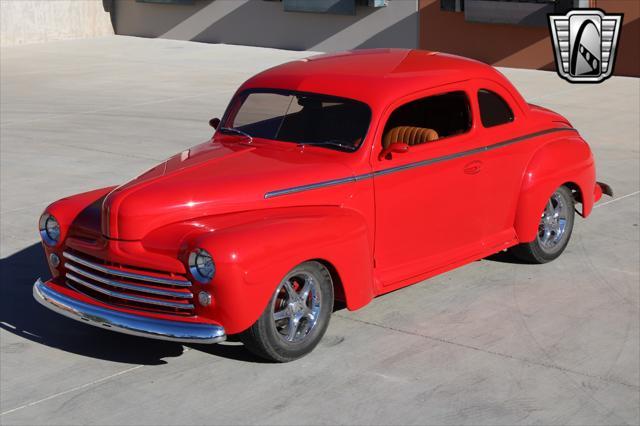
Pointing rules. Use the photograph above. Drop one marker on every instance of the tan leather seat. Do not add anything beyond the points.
(409, 135)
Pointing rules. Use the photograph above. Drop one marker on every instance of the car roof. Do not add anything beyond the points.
(375, 76)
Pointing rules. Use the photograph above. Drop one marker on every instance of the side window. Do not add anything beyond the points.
(493, 109)
(429, 119)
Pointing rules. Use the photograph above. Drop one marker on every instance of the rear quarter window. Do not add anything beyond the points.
(494, 110)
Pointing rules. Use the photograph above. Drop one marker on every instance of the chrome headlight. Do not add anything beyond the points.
(201, 265)
(49, 229)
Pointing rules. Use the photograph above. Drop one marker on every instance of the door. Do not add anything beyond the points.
(501, 123)
(428, 199)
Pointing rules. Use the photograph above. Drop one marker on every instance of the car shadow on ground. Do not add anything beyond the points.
(231, 349)
(20, 314)
(234, 349)
(505, 257)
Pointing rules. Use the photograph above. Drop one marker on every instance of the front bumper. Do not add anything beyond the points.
(175, 331)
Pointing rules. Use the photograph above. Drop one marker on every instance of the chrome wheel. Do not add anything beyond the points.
(296, 306)
(554, 229)
(553, 223)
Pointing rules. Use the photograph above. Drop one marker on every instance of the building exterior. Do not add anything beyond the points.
(273, 23)
(523, 41)
(511, 33)
(38, 21)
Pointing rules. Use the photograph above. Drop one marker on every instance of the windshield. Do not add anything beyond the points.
(302, 118)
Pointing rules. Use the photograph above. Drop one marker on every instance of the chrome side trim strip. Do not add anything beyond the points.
(130, 275)
(160, 292)
(138, 299)
(353, 179)
(137, 325)
(311, 186)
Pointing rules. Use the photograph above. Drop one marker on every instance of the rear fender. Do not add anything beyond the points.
(565, 161)
(252, 257)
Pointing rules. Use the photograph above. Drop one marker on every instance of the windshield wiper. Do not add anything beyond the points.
(237, 131)
(332, 142)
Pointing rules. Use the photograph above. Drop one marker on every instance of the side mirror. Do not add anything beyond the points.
(396, 147)
(214, 122)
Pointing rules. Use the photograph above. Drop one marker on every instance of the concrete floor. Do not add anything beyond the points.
(489, 343)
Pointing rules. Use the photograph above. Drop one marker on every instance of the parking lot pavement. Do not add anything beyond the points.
(490, 343)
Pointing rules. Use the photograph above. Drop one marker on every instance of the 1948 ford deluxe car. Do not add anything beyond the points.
(338, 177)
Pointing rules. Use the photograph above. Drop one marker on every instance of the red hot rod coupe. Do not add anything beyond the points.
(338, 177)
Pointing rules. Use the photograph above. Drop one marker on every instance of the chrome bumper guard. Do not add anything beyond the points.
(175, 331)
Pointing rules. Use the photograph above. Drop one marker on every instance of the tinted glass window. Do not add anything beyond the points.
(303, 118)
(493, 109)
(430, 119)
(261, 107)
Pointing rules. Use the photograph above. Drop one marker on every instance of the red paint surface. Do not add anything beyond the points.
(415, 223)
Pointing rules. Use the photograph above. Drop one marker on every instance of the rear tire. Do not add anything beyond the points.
(296, 317)
(554, 230)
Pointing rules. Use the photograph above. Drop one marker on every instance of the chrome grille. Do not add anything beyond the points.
(124, 287)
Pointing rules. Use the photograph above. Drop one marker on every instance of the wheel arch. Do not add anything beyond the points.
(566, 161)
(252, 257)
(575, 190)
(578, 195)
(339, 293)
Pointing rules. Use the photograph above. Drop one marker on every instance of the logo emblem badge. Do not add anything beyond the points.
(585, 42)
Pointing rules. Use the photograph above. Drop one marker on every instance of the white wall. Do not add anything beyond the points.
(37, 21)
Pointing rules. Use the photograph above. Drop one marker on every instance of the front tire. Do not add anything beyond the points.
(296, 317)
(554, 230)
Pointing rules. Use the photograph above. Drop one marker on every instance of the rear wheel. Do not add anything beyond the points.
(554, 230)
(296, 317)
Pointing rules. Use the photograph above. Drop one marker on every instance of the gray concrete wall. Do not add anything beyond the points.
(37, 21)
(265, 23)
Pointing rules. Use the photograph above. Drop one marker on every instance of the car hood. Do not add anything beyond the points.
(215, 178)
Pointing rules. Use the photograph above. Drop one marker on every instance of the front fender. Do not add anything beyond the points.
(253, 251)
(67, 209)
(563, 161)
